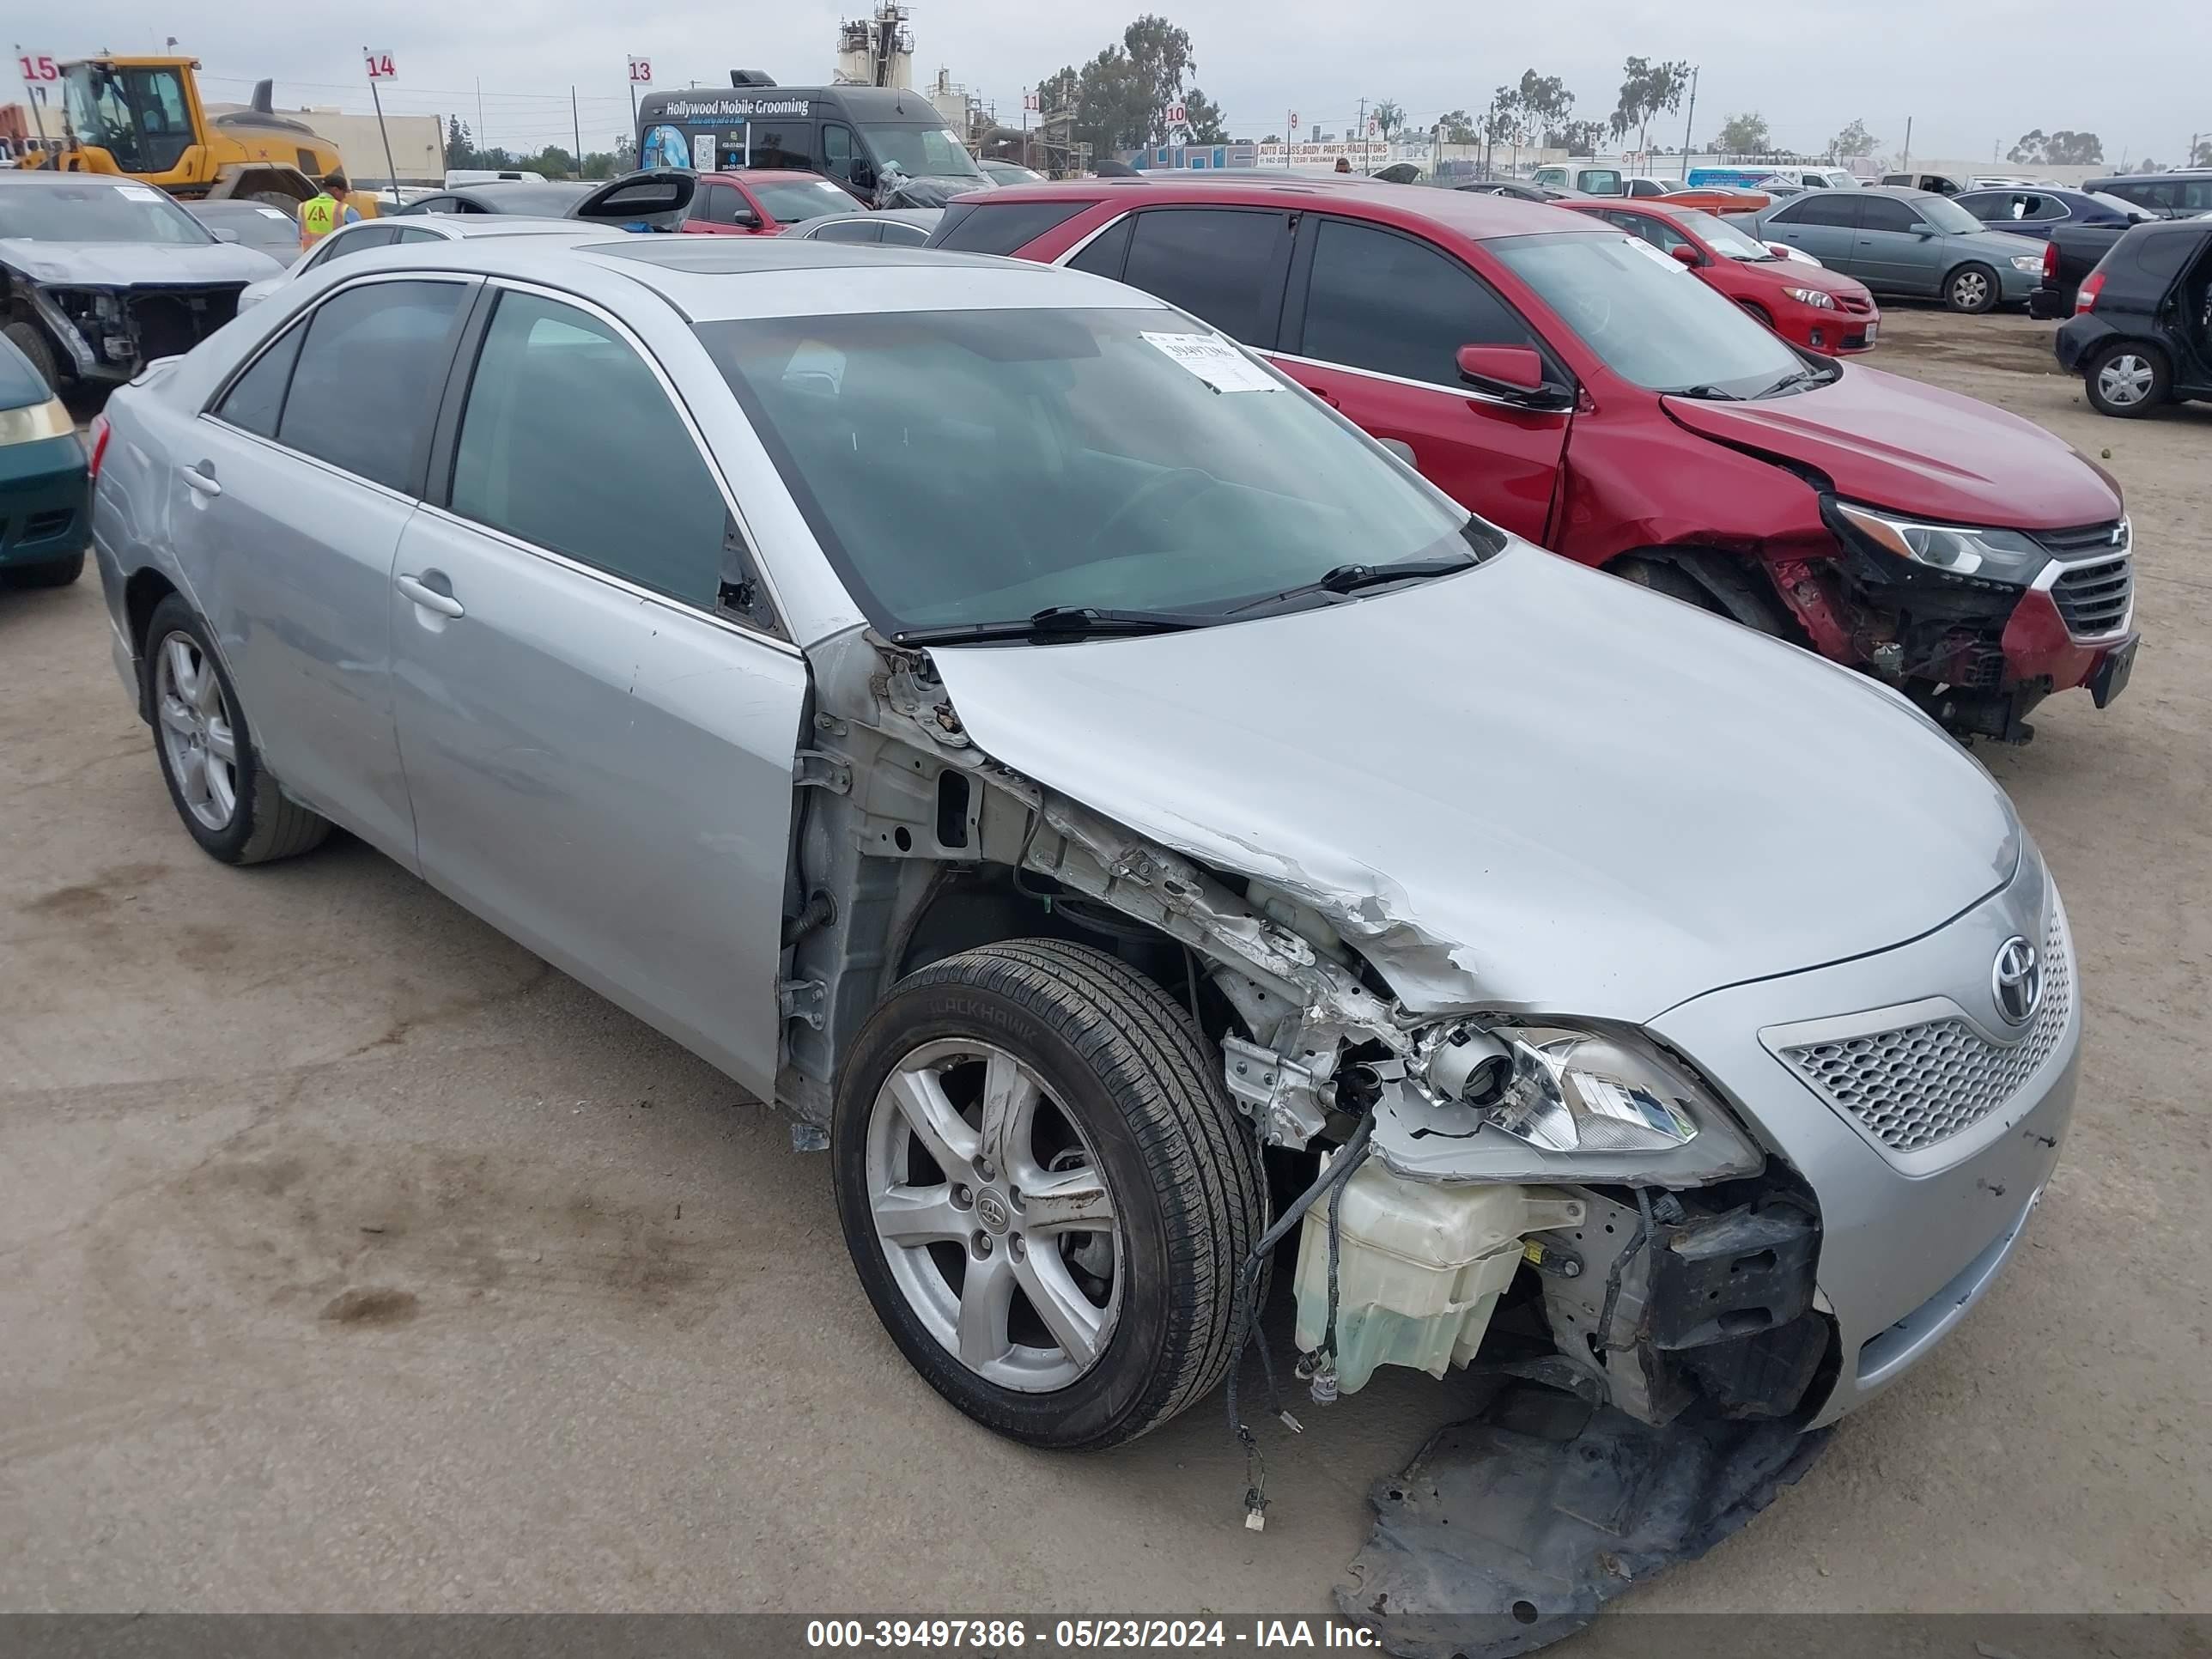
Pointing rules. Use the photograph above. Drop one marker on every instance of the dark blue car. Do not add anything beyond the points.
(2031, 211)
(42, 480)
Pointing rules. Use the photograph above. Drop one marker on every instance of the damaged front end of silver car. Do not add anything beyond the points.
(1563, 1210)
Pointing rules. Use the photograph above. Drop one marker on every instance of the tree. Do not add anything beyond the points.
(1647, 90)
(1390, 117)
(2199, 157)
(1852, 142)
(1455, 127)
(1545, 101)
(1273, 138)
(2060, 148)
(458, 148)
(1120, 98)
(1576, 137)
(1058, 91)
(1744, 134)
(1202, 117)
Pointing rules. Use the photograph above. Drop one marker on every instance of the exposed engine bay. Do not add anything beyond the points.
(110, 333)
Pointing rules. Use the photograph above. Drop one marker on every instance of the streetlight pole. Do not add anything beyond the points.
(1689, 121)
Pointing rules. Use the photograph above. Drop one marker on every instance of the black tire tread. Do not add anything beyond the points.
(27, 338)
(1147, 1051)
(49, 573)
(278, 827)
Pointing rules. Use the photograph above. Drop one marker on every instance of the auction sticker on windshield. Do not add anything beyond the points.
(138, 192)
(1214, 361)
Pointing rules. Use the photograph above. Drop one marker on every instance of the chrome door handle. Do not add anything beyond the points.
(203, 481)
(428, 597)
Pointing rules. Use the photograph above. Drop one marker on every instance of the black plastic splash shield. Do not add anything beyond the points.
(1509, 1531)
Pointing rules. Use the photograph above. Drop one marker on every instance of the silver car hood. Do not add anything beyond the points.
(130, 264)
(1530, 786)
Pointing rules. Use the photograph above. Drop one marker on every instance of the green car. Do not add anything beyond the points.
(45, 508)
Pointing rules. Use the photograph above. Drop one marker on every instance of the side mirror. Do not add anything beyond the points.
(225, 235)
(1684, 254)
(1513, 373)
(744, 218)
(1924, 232)
(1401, 449)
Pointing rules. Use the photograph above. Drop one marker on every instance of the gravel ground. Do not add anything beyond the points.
(352, 1259)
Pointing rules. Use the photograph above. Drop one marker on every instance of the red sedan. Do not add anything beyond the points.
(1821, 309)
(761, 201)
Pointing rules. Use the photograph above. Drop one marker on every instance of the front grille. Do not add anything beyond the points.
(1917, 1085)
(169, 322)
(1852, 302)
(2111, 536)
(39, 526)
(2093, 598)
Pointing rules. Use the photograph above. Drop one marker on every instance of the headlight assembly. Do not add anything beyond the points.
(2031, 263)
(1604, 1096)
(25, 425)
(1811, 296)
(2004, 556)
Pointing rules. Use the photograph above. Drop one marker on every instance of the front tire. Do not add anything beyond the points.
(226, 799)
(1046, 1193)
(29, 339)
(1973, 289)
(2127, 379)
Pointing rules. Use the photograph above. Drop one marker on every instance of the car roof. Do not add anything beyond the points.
(722, 278)
(1473, 213)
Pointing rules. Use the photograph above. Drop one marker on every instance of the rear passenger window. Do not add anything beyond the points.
(1436, 306)
(1106, 252)
(1219, 264)
(257, 396)
(1886, 213)
(993, 228)
(569, 441)
(1833, 210)
(369, 377)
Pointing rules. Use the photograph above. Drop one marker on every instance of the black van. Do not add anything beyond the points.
(852, 134)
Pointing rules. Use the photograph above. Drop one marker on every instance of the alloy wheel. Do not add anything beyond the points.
(2124, 380)
(1970, 291)
(993, 1215)
(197, 731)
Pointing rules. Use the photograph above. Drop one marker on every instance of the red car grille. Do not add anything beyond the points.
(1858, 304)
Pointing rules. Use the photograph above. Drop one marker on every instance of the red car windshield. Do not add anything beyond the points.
(1724, 239)
(1652, 322)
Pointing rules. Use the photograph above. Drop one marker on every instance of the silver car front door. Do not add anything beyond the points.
(291, 491)
(599, 752)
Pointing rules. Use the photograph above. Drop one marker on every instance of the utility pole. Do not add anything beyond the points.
(390, 172)
(576, 125)
(1359, 134)
(484, 140)
(1905, 164)
(1689, 121)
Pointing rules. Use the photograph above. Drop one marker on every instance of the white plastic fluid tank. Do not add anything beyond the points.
(1420, 1267)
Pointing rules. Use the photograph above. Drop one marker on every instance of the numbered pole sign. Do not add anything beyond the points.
(379, 66)
(641, 71)
(1177, 115)
(37, 67)
(1032, 102)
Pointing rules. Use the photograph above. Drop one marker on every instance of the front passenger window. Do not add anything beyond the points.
(1436, 306)
(569, 442)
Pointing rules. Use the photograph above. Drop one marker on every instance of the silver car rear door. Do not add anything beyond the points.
(599, 739)
(290, 491)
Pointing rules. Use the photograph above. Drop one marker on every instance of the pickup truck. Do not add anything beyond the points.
(2068, 257)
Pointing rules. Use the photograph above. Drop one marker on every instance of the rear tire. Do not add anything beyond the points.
(31, 340)
(2127, 379)
(52, 573)
(1972, 288)
(229, 802)
(1758, 313)
(1116, 1076)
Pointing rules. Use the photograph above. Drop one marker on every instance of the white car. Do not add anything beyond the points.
(360, 237)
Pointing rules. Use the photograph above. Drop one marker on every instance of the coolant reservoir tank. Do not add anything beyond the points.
(1420, 1268)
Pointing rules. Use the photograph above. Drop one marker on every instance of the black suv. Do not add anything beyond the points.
(2142, 330)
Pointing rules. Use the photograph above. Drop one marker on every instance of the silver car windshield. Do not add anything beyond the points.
(1652, 321)
(968, 467)
(98, 212)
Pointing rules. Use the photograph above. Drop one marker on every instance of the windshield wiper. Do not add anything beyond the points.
(1057, 621)
(1795, 377)
(1712, 393)
(1351, 578)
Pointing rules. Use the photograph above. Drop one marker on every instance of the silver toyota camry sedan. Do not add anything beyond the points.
(990, 714)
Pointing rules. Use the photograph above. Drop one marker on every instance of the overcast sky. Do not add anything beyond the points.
(1969, 76)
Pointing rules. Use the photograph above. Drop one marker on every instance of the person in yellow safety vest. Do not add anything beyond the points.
(321, 214)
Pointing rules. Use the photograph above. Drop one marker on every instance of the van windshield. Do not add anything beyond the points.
(921, 152)
(978, 467)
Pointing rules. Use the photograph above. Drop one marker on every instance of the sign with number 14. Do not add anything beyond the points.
(379, 67)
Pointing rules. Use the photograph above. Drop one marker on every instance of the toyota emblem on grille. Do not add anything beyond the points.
(2017, 981)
